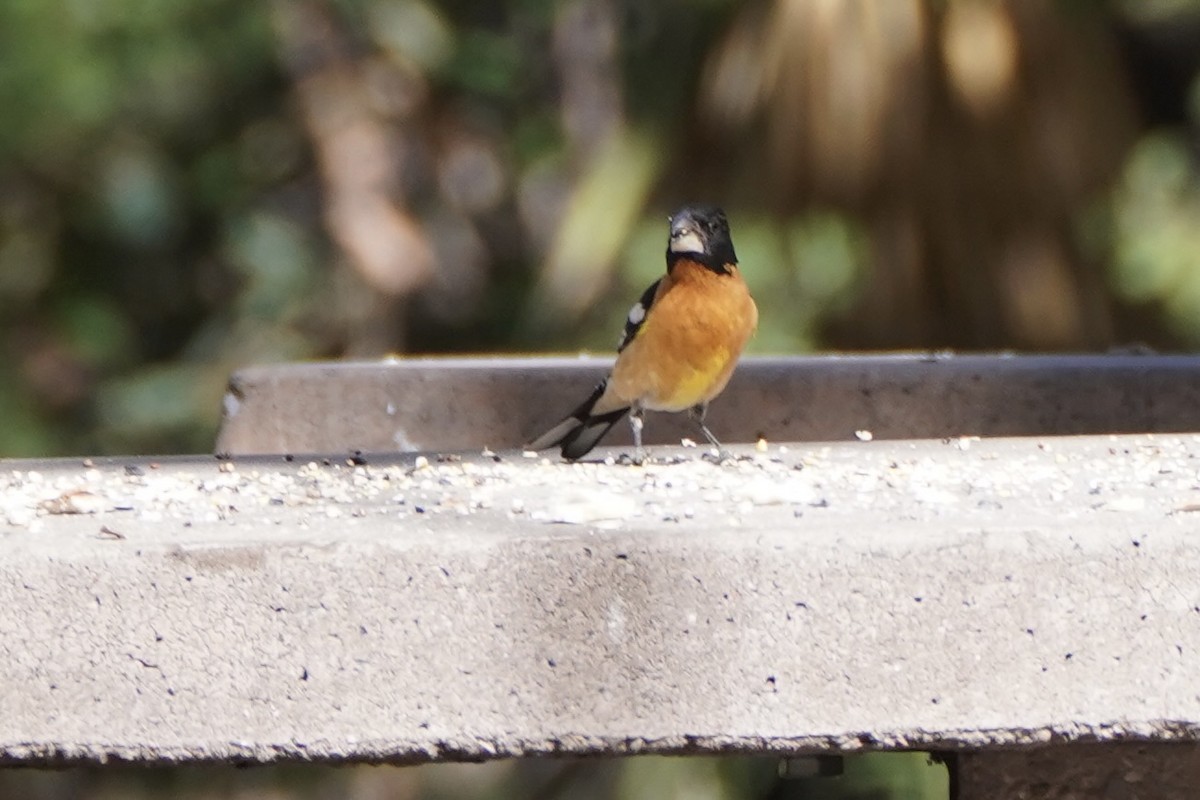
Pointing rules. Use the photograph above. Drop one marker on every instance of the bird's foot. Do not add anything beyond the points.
(718, 455)
(639, 458)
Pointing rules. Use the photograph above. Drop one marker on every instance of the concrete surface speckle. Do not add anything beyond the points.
(800, 597)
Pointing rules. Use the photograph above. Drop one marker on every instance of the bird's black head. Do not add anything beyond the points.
(701, 234)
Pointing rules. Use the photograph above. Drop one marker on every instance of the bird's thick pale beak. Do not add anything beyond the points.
(684, 236)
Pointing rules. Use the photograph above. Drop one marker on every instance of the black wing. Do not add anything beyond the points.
(637, 315)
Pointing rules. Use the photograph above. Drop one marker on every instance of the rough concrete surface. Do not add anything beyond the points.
(432, 404)
(943, 595)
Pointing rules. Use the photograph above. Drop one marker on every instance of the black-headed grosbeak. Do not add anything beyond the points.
(681, 342)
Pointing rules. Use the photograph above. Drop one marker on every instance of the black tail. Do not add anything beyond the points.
(580, 431)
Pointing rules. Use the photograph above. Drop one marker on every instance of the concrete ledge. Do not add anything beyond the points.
(964, 596)
(456, 404)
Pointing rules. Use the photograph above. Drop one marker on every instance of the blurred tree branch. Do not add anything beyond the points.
(358, 155)
(966, 136)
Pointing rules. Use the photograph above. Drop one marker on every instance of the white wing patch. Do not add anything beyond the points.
(637, 315)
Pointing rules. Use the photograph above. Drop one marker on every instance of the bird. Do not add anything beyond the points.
(680, 344)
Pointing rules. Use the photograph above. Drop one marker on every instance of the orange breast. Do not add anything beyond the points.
(690, 342)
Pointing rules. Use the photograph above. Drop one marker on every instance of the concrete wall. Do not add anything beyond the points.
(454, 404)
(1031, 606)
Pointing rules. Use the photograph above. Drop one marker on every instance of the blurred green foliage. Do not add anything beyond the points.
(193, 186)
(119, 177)
(874, 776)
(1156, 214)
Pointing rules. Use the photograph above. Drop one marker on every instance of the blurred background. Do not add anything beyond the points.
(188, 187)
(192, 186)
(877, 776)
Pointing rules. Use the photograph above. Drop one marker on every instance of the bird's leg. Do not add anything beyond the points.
(697, 413)
(636, 422)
